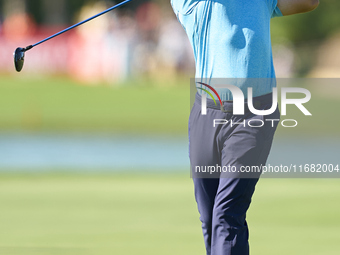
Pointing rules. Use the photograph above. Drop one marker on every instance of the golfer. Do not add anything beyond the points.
(231, 41)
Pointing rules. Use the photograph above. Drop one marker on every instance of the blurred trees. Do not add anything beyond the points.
(313, 26)
(55, 12)
(44, 11)
(305, 33)
(52, 12)
(299, 35)
(10, 7)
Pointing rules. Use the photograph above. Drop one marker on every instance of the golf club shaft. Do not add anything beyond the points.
(78, 24)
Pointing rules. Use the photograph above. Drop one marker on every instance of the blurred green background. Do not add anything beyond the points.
(141, 91)
(153, 214)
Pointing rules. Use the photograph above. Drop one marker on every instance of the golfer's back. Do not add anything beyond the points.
(230, 39)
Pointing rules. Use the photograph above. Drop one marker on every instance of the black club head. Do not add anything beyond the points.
(19, 58)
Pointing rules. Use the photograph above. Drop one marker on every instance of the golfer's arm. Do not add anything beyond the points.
(289, 7)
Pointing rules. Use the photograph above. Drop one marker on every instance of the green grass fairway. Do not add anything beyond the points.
(81, 214)
(58, 104)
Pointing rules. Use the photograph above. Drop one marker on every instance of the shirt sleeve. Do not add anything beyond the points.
(275, 11)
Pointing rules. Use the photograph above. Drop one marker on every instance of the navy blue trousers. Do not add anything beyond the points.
(223, 198)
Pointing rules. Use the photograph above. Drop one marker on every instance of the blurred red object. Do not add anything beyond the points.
(18, 27)
(148, 16)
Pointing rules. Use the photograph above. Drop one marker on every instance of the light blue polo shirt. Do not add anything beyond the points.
(231, 39)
